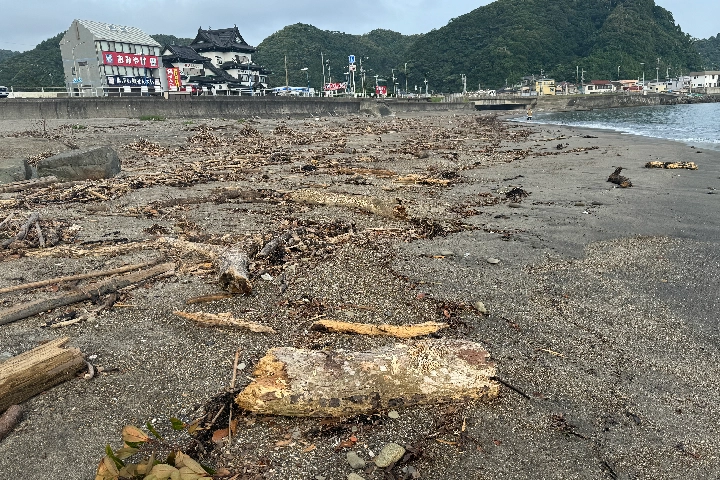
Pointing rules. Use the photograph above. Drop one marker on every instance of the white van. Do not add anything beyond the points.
(3, 92)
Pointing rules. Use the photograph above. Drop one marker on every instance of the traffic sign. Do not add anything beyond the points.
(351, 59)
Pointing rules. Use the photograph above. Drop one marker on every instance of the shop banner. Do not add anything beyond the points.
(173, 79)
(335, 86)
(117, 59)
(120, 81)
(381, 90)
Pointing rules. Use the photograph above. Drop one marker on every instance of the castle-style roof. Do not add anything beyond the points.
(182, 53)
(223, 40)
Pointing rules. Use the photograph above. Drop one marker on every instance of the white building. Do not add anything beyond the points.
(705, 79)
(102, 59)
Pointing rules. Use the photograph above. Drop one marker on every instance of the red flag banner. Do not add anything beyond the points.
(173, 78)
(381, 90)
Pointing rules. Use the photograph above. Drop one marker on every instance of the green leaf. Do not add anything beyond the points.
(153, 431)
(177, 424)
(114, 458)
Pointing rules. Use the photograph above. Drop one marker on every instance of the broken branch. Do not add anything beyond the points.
(399, 331)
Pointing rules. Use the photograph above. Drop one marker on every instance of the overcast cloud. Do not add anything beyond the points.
(25, 23)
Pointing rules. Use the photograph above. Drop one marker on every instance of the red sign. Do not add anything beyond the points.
(173, 78)
(381, 90)
(118, 59)
(335, 86)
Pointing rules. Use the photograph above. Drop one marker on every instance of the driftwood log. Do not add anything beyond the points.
(28, 184)
(232, 263)
(297, 382)
(399, 331)
(24, 376)
(365, 203)
(81, 294)
(233, 271)
(672, 165)
(618, 179)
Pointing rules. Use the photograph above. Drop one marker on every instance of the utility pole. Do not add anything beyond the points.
(582, 81)
(287, 83)
(406, 90)
(393, 78)
(322, 59)
(618, 73)
(643, 69)
(464, 80)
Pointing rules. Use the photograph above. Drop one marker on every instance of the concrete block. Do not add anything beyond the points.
(14, 170)
(89, 164)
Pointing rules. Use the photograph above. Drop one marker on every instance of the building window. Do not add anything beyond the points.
(118, 47)
(156, 50)
(145, 50)
(104, 46)
(125, 48)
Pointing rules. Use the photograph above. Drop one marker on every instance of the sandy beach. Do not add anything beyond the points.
(601, 310)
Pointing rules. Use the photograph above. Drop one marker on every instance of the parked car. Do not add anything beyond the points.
(3, 92)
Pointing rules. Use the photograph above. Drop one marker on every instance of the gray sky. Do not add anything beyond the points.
(25, 23)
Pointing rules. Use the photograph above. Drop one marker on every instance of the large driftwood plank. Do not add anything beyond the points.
(81, 294)
(296, 382)
(24, 376)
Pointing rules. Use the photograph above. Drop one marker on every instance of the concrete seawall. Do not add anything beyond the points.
(199, 107)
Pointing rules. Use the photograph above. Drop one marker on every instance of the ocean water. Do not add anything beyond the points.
(697, 124)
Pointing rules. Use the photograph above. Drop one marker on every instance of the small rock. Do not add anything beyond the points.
(514, 205)
(393, 414)
(391, 453)
(266, 276)
(354, 476)
(242, 366)
(597, 203)
(446, 253)
(480, 307)
(355, 461)
(493, 261)
(579, 204)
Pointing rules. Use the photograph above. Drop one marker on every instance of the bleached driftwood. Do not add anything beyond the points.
(362, 202)
(399, 331)
(296, 382)
(223, 320)
(24, 376)
(672, 165)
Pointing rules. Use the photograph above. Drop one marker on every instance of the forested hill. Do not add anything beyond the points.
(508, 39)
(709, 50)
(39, 67)
(7, 54)
(380, 52)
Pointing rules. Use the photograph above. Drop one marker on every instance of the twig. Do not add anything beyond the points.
(91, 371)
(235, 364)
(83, 276)
(9, 420)
(41, 238)
(212, 422)
(34, 217)
(4, 222)
(514, 389)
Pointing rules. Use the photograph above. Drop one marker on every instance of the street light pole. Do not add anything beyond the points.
(307, 76)
(393, 78)
(406, 90)
(618, 73)
(643, 69)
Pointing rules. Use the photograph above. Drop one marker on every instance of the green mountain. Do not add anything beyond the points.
(7, 54)
(501, 42)
(305, 46)
(39, 67)
(163, 40)
(709, 50)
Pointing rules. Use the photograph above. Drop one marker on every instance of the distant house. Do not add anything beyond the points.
(185, 68)
(705, 79)
(105, 59)
(228, 52)
(599, 86)
(566, 88)
(545, 86)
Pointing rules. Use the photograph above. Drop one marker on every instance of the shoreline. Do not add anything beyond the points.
(602, 310)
